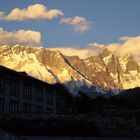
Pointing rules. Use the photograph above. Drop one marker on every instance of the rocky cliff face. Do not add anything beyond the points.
(109, 71)
(45, 64)
(104, 70)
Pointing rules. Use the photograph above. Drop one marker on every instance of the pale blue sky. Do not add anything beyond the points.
(111, 19)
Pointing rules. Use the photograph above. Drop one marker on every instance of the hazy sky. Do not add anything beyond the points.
(71, 22)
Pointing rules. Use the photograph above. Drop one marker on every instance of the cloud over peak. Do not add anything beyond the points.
(79, 24)
(129, 45)
(90, 50)
(22, 37)
(36, 11)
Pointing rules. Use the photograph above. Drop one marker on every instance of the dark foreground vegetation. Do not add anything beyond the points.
(58, 125)
(118, 116)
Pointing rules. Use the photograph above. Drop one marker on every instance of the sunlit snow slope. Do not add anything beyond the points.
(104, 70)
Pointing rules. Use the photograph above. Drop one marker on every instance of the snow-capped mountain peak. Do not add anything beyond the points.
(105, 70)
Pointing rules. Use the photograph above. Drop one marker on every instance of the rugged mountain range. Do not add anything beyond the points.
(102, 71)
(109, 71)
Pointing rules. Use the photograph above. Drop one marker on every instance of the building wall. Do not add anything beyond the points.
(25, 95)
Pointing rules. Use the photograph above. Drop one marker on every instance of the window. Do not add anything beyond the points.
(13, 106)
(49, 110)
(27, 108)
(1, 83)
(1, 104)
(60, 104)
(14, 87)
(49, 97)
(27, 91)
(39, 94)
(38, 109)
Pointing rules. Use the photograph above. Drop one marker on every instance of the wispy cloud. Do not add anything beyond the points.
(79, 24)
(129, 45)
(36, 11)
(90, 50)
(22, 37)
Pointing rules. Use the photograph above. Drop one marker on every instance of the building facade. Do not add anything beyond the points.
(21, 93)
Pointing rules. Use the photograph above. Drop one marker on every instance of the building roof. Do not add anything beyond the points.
(23, 74)
(60, 88)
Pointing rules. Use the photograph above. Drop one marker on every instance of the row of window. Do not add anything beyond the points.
(27, 91)
(27, 108)
(14, 86)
